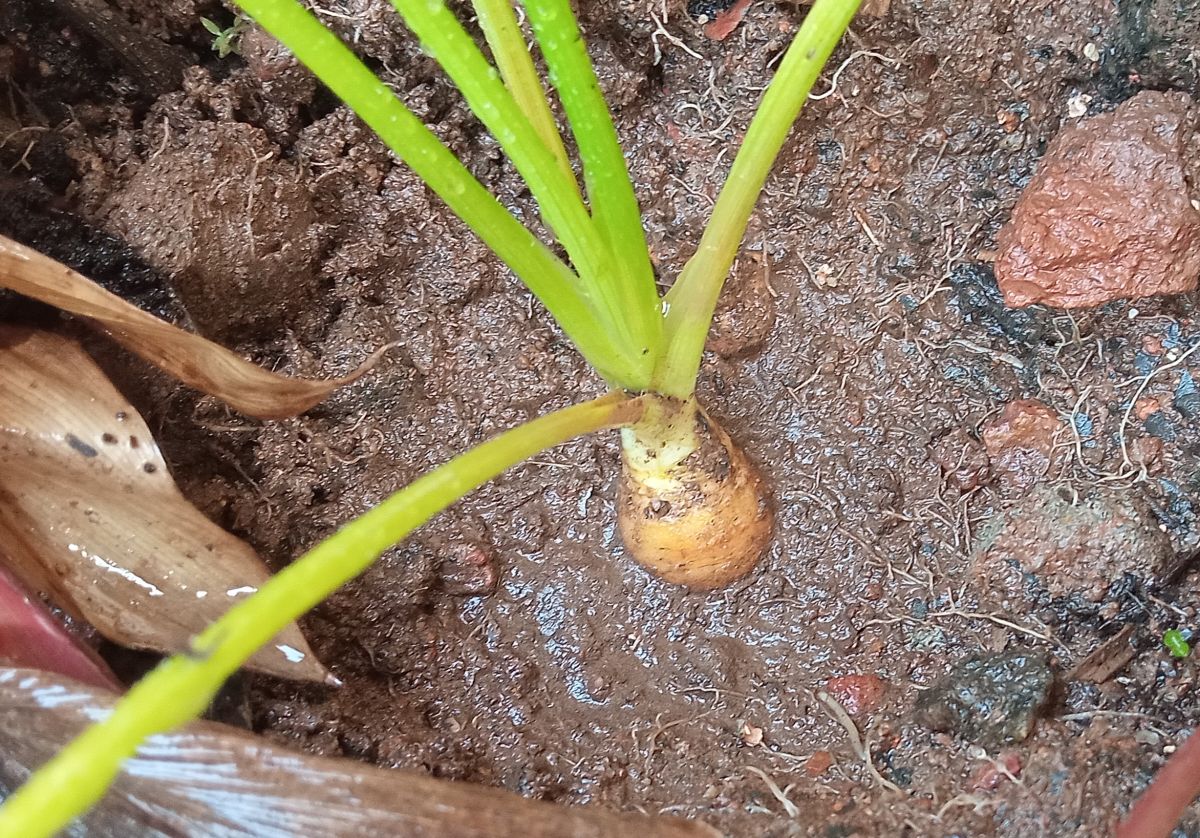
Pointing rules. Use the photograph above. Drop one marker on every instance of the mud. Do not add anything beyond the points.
(582, 679)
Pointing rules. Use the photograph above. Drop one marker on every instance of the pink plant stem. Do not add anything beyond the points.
(31, 637)
(1157, 812)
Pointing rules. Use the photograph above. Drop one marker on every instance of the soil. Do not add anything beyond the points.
(574, 676)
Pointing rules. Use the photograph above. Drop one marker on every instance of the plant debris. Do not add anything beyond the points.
(193, 360)
(1107, 659)
(90, 515)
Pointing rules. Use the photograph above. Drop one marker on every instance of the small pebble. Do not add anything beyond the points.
(859, 694)
(818, 763)
(1077, 105)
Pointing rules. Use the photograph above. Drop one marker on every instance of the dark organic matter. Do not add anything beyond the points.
(989, 699)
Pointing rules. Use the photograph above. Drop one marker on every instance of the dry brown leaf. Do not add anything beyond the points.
(210, 779)
(90, 515)
(195, 361)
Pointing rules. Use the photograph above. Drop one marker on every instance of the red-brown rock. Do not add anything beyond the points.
(1108, 214)
(1073, 544)
(859, 694)
(723, 25)
(1020, 442)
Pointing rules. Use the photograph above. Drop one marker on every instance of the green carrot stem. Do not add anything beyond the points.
(610, 190)
(182, 686)
(691, 301)
(543, 273)
(511, 54)
(443, 36)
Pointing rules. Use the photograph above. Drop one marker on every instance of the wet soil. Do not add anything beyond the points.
(576, 677)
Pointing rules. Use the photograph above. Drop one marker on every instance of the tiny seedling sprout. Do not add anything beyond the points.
(225, 40)
(1177, 643)
(692, 509)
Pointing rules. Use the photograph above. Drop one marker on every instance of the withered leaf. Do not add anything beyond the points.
(90, 515)
(195, 361)
(209, 779)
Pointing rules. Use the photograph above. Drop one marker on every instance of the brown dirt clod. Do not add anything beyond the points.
(232, 224)
(818, 763)
(1109, 214)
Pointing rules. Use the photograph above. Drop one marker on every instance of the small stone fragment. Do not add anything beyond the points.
(725, 22)
(1147, 453)
(1072, 545)
(1077, 105)
(1159, 424)
(861, 695)
(1145, 406)
(1020, 442)
(1188, 404)
(1108, 214)
(818, 763)
(989, 699)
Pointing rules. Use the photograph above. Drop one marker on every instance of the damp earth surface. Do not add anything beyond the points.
(863, 355)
